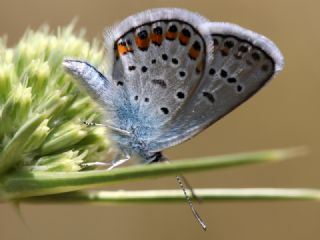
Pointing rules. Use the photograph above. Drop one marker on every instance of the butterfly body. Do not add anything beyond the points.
(172, 73)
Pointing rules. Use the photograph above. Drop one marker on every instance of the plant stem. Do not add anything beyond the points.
(28, 184)
(157, 196)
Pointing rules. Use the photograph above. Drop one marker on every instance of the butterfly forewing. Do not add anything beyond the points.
(158, 65)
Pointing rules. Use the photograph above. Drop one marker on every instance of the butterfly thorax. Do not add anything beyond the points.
(132, 142)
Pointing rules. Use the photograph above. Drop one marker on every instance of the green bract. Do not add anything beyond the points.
(41, 108)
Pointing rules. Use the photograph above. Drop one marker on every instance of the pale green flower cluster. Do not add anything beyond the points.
(41, 108)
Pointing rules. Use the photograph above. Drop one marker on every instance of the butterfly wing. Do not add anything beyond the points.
(172, 73)
(239, 64)
(157, 59)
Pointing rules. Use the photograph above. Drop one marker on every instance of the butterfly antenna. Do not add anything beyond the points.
(195, 213)
(92, 124)
(179, 178)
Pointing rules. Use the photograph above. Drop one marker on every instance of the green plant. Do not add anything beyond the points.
(44, 148)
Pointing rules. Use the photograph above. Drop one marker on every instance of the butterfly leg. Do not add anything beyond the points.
(94, 164)
(118, 160)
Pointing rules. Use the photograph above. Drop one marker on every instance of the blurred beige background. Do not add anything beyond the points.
(284, 114)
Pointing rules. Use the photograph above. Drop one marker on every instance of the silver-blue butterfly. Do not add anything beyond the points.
(171, 74)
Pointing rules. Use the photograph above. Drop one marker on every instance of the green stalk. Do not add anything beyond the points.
(27, 184)
(161, 196)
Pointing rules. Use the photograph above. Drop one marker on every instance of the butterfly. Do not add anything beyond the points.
(171, 74)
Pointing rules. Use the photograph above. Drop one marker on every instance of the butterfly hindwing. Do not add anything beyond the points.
(240, 63)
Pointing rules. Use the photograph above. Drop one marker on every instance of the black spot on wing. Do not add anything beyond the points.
(159, 82)
(164, 110)
(209, 96)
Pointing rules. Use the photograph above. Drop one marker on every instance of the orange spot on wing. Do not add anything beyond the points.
(199, 67)
(171, 35)
(156, 38)
(224, 51)
(194, 53)
(184, 40)
(142, 44)
(123, 49)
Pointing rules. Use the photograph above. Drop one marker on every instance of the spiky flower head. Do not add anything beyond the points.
(41, 108)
